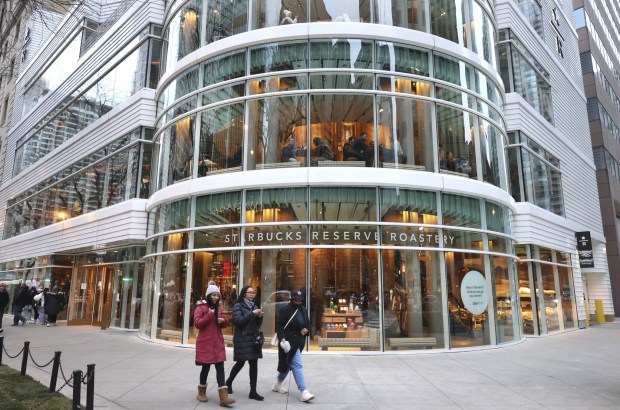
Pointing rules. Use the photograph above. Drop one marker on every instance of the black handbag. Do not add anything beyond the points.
(259, 338)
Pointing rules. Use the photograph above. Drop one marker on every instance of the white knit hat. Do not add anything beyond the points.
(212, 289)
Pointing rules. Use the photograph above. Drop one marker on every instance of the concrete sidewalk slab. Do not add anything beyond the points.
(576, 369)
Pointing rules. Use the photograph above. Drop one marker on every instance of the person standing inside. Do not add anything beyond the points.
(247, 318)
(210, 349)
(52, 306)
(4, 302)
(292, 327)
(20, 299)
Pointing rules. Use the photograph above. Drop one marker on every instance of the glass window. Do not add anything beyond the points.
(533, 13)
(172, 294)
(345, 282)
(176, 152)
(338, 119)
(271, 13)
(549, 296)
(279, 57)
(274, 274)
(341, 53)
(491, 150)
(225, 18)
(172, 216)
(402, 132)
(343, 204)
(461, 211)
(455, 133)
(447, 20)
(357, 11)
(224, 68)
(276, 205)
(454, 71)
(221, 140)
(218, 208)
(401, 58)
(482, 32)
(183, 33)
(503, 300)
(402, 13)
(278, 135)
(569, 317)
(468, 312)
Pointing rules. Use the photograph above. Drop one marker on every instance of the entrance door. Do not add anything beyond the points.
(91, 296)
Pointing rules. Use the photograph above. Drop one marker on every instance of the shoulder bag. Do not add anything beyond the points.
(274, 339)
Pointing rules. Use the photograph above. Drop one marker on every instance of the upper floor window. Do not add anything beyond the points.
(533, 13)
(524, 75)
(535, 175)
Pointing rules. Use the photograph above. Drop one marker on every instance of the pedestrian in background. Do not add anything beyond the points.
(52, 306)
(20, 299)
(4, 302)
(39, 304)
(29, 312)
(292, 327)
(247, 318)
(210, 349)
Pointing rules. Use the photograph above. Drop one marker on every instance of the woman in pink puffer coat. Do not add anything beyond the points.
(210, 349)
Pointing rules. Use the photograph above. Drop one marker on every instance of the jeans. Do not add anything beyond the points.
(298, 371)
(42, 320)
(27, 312)
(17, 315)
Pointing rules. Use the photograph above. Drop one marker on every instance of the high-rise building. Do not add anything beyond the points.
(597, 25)
(419, 169)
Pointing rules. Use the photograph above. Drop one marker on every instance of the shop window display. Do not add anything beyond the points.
(468, 312)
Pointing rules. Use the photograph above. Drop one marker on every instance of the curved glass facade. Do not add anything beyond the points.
(383, 265)
(304, 109)
(193, 24)
(386, 268)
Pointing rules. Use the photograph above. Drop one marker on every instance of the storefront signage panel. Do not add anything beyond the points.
(474, 292)
(414, 237)
(269, 235)
(584, 249)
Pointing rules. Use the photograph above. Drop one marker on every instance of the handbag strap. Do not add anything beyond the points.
(289, 321)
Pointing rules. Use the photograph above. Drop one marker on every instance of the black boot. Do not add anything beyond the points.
(229, 385)
(255, 396)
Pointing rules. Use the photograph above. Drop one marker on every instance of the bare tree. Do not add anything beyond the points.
(11, 28)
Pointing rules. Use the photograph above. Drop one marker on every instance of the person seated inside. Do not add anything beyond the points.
(288, 150)
(451, 162)
(322, 151)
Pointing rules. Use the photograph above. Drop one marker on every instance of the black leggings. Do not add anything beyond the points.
(219, 374)
(253, 371)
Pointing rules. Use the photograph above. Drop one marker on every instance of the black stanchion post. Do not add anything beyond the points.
(25, 358)
(77, 389)
(90, 387)
(55, 367)
(1, 347)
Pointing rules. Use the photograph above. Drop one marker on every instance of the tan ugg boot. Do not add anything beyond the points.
(224, 399)
(202, 393)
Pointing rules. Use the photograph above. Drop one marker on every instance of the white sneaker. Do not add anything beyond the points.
(278, 388)
(306, 396)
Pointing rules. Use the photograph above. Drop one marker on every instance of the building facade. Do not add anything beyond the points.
(399, 161)
(597, 26)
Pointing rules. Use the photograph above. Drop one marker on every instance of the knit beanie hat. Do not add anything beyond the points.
(212, 288)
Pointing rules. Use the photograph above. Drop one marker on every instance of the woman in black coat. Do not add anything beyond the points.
(247, 318)
(52, 306)
(293, 325)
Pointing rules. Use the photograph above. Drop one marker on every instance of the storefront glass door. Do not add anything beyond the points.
(91, 296)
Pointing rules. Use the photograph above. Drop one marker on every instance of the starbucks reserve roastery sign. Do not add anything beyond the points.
(474, 292)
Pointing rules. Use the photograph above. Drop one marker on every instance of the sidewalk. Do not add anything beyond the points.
(579, 370)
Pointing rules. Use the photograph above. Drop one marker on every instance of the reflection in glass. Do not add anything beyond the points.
(413, 315)
(356, 11)
(565, 277)
(271, 13)
(343, 204)
(402, 13)
(278, 135)
(341, 129)
(176, 152)
(466, 328)
(403, 129)
(455, 134)
(447, 20)
(549, 296)
(274, 274)
(503, 300)
(172, 298)
(221, 140)
(345, 284)
(221, 267)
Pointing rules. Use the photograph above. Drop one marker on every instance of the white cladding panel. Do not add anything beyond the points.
(119, 223)
(139, 110)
